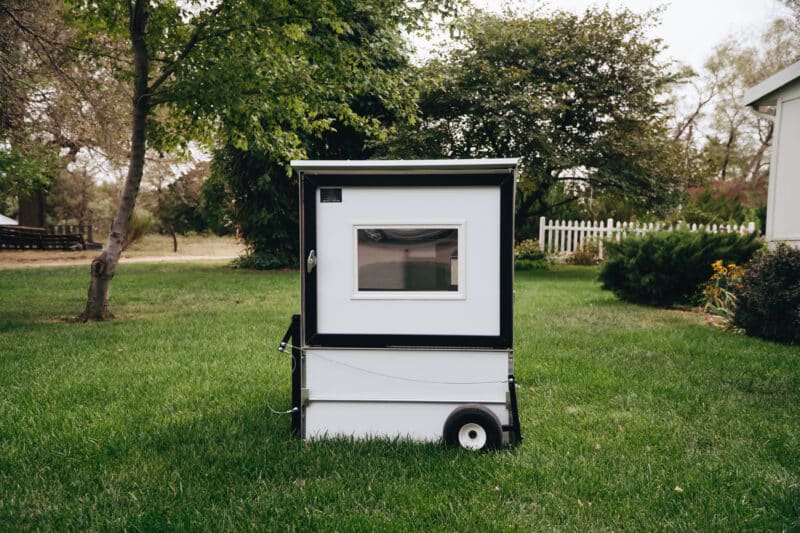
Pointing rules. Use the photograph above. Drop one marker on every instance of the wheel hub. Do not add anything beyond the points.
(472, 436)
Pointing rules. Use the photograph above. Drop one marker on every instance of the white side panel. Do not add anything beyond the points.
(420, 422)
(399, 393)
(387, 375)
(786, 191)
(476, 313)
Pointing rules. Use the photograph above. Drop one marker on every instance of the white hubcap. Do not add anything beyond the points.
(472, 436)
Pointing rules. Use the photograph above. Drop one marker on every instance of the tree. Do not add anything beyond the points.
(71, 195)
(58, 118)
(578, 98)
(205, 69)
(725, 142)
(26, 162)
(264, 194)
(178, 204)
(264, 206)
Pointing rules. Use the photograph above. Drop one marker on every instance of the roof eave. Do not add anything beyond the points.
(405, 164)
(766, 92)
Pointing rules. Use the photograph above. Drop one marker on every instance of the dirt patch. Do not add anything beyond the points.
(152, 249)
(86, 260)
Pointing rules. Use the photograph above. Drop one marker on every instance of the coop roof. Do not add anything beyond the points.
(410, 165)
(766, 92)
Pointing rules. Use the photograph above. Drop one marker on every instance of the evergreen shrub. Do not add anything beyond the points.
(668, 268)
(768, 296)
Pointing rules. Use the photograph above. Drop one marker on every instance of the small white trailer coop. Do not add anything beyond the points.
(407, 301)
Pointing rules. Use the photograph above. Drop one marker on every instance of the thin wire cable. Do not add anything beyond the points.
(413, 380)
(294, 364)
(290, 411)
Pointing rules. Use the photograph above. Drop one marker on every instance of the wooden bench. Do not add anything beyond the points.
(31, 238)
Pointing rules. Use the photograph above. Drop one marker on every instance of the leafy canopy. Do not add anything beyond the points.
(254, 72)
(351, 113)
(578, 98)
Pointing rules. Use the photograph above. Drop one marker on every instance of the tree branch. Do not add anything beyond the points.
(185, 51)
(197, 37)
(690, 120)
(46, 53)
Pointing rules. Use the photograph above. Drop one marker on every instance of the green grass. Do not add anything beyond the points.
(161, 420)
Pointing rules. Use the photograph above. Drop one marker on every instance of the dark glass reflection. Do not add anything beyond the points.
(408, 259)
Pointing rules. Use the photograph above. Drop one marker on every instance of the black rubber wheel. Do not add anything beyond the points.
(473, 427)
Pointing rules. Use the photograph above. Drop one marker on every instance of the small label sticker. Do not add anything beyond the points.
(330, 196)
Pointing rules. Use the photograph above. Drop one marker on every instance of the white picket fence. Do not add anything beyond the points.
(564, 237)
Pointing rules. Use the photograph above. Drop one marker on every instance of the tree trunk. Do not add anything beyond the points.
(728, 147)
(174, 238)
(104, 266)
(755, 164)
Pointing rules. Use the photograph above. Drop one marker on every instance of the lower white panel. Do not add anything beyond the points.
(415, 375)
(415, 421)
(399, 393)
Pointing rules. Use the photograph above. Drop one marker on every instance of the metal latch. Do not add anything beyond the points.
(311, 262)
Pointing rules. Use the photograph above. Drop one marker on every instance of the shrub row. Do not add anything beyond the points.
(667, 268)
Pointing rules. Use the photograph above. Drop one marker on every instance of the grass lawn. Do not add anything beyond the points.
(633, 418)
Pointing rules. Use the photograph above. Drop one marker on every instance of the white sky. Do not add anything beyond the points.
(690, 28)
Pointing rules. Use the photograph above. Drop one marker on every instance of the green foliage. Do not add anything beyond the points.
(215, 205)
(264, 199)
(139, 225)
(24, 168)
(178, 205)
(710, 208)
(576, 97)
(733, 202)
(266, 260)
(264, 74)
(374, 96)
(529, 249)
(529, 256)
(667, 268)
(769, 296)
(718, 296)
(27, 160)
(587, 255)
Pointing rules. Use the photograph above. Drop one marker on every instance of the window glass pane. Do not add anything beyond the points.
(423, 259)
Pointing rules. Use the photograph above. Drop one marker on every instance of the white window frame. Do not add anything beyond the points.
(460, 294)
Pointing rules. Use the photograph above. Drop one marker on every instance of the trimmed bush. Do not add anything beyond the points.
(668, 268)
(528, 256)
(768, 296)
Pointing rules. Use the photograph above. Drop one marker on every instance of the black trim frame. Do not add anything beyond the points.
(310, 182)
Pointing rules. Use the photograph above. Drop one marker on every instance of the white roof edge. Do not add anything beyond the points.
(405, 164)
(771, 84)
